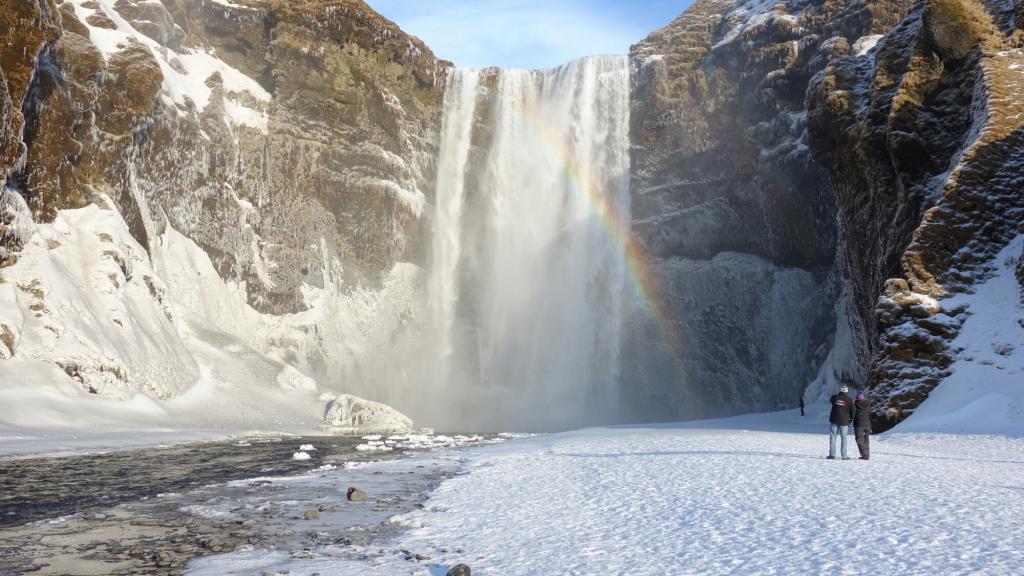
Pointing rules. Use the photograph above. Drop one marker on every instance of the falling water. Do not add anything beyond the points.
(527, 277)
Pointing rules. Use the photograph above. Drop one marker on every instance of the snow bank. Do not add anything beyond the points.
(985, 393)
(90, 302)
(291, 379)
(93, 322)
(347, 414)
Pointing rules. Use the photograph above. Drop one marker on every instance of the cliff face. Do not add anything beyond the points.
(815, 186)
(923, 142)
(291, 143)
(815, 179)
(730, 205)
(320, 115)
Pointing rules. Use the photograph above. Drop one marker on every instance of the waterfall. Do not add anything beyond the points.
(528, 271)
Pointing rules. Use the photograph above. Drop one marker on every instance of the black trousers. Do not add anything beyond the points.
(863, 436)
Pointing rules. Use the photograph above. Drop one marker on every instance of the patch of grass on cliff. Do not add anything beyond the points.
(955, 27)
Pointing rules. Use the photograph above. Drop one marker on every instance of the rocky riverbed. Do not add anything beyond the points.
(152, 511)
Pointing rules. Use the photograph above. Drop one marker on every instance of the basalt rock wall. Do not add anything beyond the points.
(732, 208)
(813, 181)
(923, 144)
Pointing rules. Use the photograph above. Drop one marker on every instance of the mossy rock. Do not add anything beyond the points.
(953, 28)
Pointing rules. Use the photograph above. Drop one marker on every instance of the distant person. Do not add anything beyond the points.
(839, 421)
(862, 424)
(801, 405)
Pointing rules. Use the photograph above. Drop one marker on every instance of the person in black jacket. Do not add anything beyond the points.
(839, 421)
(801, 404)
(862, 424)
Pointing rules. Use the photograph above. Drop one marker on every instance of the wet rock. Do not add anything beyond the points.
(355, 495)
(165, 559)
(136, 552)
(311, 514)
(153, 20)
(213, 544)
(459, 570)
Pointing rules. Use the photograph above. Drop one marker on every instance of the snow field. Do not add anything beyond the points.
(702, 501)
(745, 495)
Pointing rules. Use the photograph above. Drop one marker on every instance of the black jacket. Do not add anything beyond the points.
(862, 414)
(842, 409)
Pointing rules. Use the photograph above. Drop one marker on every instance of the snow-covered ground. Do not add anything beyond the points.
(747, 495)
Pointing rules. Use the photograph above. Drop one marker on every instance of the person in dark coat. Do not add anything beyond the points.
(862, 424)
(801, 404)
(839, 421)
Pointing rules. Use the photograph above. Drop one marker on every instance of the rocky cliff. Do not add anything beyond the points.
(236, 191)
(923, 143)
(732, 207)
(869, 150)
(289, 146)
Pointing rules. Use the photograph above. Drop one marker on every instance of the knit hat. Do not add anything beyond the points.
(843, 388)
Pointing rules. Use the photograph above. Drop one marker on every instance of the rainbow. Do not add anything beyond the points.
(639, 267)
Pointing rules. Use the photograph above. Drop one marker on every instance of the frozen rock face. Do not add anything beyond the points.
(730, 206)
(85, 297)
(28, 28)
(290, 141)
(348, 414)
(923, 142)
(272, 160)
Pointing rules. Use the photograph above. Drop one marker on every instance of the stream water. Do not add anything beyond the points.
(153, 510)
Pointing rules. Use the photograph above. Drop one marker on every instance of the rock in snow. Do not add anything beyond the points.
(347, 414)
(459, 570)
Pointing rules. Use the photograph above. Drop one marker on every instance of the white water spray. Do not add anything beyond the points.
(527, 277)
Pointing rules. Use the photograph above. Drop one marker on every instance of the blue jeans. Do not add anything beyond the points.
(843, 430)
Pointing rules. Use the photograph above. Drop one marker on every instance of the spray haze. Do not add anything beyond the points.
(528, 275)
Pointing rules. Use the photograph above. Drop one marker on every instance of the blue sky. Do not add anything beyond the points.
(528, 33)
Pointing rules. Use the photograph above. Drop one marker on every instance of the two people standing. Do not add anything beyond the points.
(846, 411)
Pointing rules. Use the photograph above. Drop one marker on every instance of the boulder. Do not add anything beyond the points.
(347, 414)
(355, 495)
